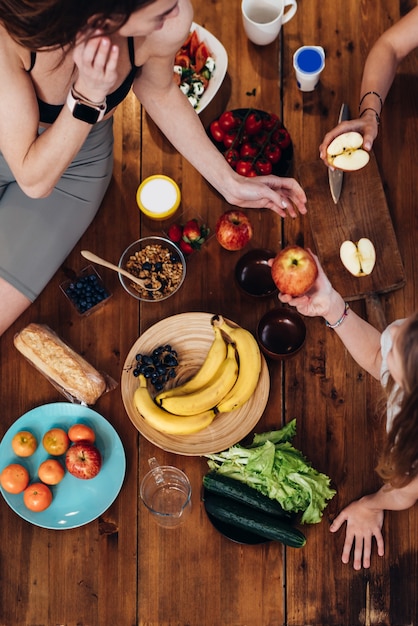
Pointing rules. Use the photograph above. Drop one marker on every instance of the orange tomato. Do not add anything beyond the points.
(14, 478)
(51, 472)
(37, 497)
(81, 432)
(24, 443)
(56, 441)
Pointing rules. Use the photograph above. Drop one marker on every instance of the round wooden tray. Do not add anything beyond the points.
(191, 334)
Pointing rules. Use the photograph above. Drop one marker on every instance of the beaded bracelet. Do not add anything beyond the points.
(372, 93)
(375, 112)
(342, 318)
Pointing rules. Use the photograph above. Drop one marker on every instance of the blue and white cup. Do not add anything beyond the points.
(308, 61)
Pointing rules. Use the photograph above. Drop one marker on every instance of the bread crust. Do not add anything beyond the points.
(60, 364)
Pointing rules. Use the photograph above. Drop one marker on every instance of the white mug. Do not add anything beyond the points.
(263, 19)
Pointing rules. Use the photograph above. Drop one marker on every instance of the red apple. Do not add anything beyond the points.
(83, 460)
(294, 270)
(233, 230)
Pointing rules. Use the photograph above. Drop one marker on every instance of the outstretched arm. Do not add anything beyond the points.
(360, 338)
(378, 75)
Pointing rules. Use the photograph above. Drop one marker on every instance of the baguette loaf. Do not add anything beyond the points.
(66, 369)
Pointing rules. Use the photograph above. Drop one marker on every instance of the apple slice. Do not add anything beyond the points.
(358, 258)
(345, 152)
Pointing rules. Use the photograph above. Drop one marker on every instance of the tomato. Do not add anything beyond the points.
(81, 432)
(37, 497)
(263, 166)
(24, 443)
(272, 152)
(253, 123)
(282, 138)
(245, 168)
(182, 59)
(230, 138)
(201, 55)
(14, 478)
(193, 43)
(232, 157)
(51, 472)
(271, 121)
(216, 131)
(249, 149)
(56, 441)
(228, 121)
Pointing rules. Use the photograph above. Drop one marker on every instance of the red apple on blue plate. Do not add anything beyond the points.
(233, 230)
(83, 460)
(294, 270)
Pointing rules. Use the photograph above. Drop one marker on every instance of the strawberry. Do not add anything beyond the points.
(191, 231)
(194, 234)
(185, 247)
(175, 232)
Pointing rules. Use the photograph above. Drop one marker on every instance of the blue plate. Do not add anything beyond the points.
(75, 502)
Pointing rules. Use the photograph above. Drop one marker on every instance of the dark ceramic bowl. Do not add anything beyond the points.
(281, 333)
(253, 274)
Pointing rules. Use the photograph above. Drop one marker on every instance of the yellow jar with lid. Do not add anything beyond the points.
(158, 197)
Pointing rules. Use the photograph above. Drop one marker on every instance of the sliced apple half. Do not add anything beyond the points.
(358, 258)
(345, 152)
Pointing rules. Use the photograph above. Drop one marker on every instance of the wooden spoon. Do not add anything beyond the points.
(90, 256)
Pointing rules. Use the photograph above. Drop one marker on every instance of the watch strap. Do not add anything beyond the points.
(85, 110)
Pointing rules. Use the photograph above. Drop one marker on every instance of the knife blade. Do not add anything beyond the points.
(335, 178)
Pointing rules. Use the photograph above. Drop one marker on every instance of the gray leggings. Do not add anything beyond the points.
(37, 235)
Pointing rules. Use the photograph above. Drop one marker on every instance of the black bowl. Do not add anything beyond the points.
(281, 333)
(253, 274)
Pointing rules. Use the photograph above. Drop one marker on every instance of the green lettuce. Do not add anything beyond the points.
(278, 470)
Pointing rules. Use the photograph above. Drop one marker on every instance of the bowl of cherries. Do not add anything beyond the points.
(254, 142)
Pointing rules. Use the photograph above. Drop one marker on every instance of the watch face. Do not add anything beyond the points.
(85, 113)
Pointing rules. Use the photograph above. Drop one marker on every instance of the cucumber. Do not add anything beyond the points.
(231, 488)
(252, 520)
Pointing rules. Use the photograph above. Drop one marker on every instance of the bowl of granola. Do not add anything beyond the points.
(159, 262)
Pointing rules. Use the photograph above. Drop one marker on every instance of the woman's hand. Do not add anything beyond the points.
(363, 523)
(317, 301)
(96, 60)
(365, 125)
(281, 195)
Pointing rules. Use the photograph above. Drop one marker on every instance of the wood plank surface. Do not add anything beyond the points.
(124, 570)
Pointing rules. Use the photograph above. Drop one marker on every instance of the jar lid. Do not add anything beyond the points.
(158, 196)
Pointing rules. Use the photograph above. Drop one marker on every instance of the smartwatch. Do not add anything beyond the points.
(85, 110)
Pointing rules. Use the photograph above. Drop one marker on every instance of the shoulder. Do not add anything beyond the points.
(12, 55)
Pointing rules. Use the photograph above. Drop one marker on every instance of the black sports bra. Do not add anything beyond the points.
(48, 113)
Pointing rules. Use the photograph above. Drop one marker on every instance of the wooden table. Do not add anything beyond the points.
(122, 569)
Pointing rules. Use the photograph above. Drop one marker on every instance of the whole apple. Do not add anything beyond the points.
(294, 270)
(233, 230)
(83, 460)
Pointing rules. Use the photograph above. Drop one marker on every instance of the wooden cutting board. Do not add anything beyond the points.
(361, 211)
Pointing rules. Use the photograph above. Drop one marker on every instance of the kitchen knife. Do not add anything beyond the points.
(335, 177)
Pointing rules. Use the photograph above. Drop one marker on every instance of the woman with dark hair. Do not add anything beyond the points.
(65, 66)
(392, 358)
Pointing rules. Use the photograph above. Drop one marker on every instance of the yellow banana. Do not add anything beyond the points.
(210, 395)
(213, 360)
(249, 366)
(167, 422)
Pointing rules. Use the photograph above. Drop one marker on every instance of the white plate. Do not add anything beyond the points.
(221, 64)
(75, 502)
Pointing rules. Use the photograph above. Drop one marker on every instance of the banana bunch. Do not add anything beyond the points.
(249, 365)
(226, 380)
(208, 396)
(165, 422)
